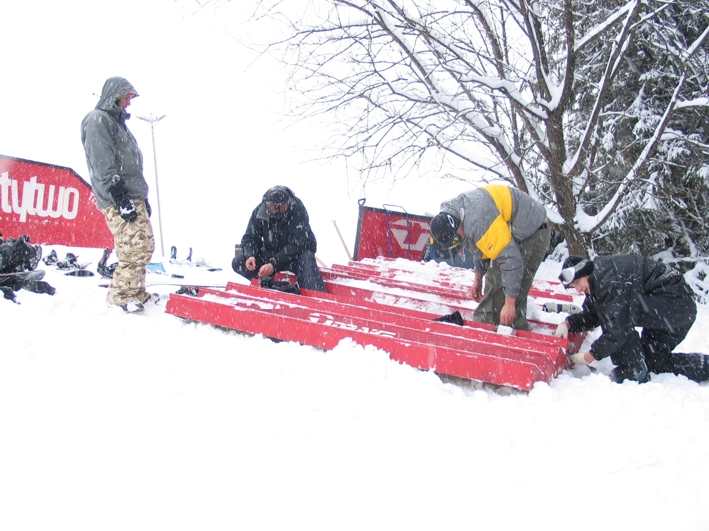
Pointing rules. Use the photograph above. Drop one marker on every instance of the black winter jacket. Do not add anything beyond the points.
(284, 240)
(619, 286)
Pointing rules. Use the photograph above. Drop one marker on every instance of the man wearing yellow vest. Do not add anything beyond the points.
(508, 234)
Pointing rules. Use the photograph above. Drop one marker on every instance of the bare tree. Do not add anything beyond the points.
(561, 98)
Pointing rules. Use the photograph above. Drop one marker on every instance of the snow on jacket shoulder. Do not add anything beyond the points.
(111, 149)
(619, 285)
(286, 239)
(494, 219)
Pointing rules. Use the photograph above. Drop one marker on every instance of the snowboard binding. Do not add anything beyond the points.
(104, 270)
(280, 285)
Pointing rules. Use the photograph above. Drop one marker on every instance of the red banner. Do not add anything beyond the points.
(51, 204)
(390, 233)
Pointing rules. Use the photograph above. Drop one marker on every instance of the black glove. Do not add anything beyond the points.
(148, 207)
(454, 318)
(124, 203)
(126, 208)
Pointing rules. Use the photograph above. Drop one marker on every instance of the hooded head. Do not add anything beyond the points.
(444, 230)
(276, 202)
(574, 268)
(113, 89)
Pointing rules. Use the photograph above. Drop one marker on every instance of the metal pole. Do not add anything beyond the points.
(349, 256)
(152, 119)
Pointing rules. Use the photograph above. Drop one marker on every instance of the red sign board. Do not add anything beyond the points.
(51, 204)
(390, 233)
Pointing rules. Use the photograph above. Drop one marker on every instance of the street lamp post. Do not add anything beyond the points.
(152, 120)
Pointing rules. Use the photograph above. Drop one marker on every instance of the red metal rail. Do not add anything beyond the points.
(411, 319)
(417, 301)
(446, 279)
(409, 336)
(392, 309)
(473, 365)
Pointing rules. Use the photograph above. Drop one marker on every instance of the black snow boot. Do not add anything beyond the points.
(636, 374)
(694, 365)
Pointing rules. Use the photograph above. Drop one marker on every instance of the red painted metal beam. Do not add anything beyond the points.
(472, 365)
(439, 286)
(404, 302)
(397, 319)
(447, 280)
(333, 274)
(364, 308)
(546, 349)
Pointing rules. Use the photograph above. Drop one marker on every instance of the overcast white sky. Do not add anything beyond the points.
(224, 140)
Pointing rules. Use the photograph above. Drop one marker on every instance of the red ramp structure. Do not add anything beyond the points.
(377, 304)
(49, 203)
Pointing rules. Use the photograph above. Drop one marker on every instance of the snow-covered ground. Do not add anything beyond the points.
(112, 421)
(144, 423)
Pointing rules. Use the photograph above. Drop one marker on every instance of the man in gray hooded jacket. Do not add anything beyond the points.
(116, 169)
(508, 235)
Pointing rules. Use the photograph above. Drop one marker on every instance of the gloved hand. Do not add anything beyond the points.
(558, 307)
(126, 208)
(562, 330)
(579, 358)
(124, 203)
(148, 207)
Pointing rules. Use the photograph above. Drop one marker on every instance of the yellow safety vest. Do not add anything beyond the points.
(498, 234)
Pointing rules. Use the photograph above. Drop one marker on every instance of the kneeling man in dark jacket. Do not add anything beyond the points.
(279, 238)
(624, 292)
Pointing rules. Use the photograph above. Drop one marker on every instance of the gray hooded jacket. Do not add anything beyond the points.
(110, 147)
(477, 210)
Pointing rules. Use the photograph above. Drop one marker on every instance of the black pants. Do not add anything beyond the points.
(665, 322)
(305, 268)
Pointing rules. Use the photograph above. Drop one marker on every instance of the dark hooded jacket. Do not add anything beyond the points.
(110, 147)
(283, 240)
(620, 287)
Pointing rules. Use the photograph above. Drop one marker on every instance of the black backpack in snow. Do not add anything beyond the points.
(18, 261)
(18, 255)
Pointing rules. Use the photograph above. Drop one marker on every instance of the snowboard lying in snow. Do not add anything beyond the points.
(181, 275)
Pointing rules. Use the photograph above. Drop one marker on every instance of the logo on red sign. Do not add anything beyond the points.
(37, 199)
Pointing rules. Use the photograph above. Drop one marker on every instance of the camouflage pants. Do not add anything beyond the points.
(134, 244)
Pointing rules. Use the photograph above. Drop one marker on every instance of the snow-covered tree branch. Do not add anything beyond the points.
(598, 109)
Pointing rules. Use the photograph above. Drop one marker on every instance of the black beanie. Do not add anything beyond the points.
(574, 268)
(444, 229)
(277, 195)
